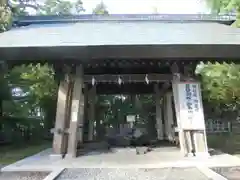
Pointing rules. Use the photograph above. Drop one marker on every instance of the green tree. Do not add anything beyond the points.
(5, 18)
(19, 7)
(5, 94)
(61, 7)
(100, 9)
(38, 91)
(79, 6)
(221, 86)
(219, 6)
(57, 7)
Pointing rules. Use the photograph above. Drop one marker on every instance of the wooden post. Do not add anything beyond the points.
(169, 117)
(77, 114)
(91, 119)
(176, 79)
(86, 116)
(60, 134)
(159, 123)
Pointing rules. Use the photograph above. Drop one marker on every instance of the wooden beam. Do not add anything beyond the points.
(128, 78)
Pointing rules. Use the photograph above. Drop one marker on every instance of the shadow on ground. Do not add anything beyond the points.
(225, 142)
(23, 175)
(97, 148)
(231, 173)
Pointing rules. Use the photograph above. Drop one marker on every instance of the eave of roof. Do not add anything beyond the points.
(121, 39)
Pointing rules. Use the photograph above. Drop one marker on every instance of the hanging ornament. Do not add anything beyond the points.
(93, 81)
(119, 80)
(146, 79)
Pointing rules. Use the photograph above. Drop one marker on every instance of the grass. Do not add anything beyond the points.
(226, 142)
(12, 153)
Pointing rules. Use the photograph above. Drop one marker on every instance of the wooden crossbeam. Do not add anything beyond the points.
(128, 78)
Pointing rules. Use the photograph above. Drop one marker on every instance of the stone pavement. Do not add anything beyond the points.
(132, 174)
(231, 173)
(165, 163)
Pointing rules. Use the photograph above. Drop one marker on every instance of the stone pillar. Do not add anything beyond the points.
(77, 114)
(60, 137)
(91, 117)
(169, 117)
(159, 123)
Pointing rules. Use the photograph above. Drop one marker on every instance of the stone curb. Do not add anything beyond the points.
(24, 169)
(54, 174)
(210, 173)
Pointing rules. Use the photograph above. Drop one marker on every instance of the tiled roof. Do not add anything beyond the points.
(120, 33)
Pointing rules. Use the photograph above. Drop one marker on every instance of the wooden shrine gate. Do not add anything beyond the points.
(132, 56)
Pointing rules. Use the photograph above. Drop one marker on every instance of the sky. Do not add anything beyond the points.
(149, 6)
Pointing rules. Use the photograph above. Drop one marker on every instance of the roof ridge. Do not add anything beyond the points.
(124, 17)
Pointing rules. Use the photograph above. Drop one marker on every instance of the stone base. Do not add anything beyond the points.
(202, 154)
(69, 156)
(198, 155)
(55, 157)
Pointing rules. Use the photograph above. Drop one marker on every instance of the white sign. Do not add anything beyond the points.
(191, 110)
(131, 118)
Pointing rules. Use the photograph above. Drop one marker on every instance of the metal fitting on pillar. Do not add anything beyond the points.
(176, 76)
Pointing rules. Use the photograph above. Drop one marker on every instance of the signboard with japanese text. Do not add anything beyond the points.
(190, 106)
(131, 118)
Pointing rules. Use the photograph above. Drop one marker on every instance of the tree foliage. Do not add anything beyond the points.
(61, 7)
(221, 85)
(220, 6)
(57, 7)
(36, 84)
(100, 9)
(5, 18)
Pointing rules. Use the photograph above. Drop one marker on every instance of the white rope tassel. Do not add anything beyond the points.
(146, 79)
(119, 80)
(93, 81)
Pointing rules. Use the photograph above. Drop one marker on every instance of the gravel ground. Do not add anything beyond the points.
(23, 175)
(132, 174)
(231, 173)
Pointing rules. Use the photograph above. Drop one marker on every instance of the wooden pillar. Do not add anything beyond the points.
(86, 115)
(169, 117)
(91, 117)
(61, 124)
(98, 124)
(176, 79)
(182, 139)
(159, 122)
(77, 114)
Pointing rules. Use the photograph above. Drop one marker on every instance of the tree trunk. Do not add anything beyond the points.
(1, 108)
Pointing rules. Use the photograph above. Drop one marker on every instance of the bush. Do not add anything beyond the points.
(20, 130)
